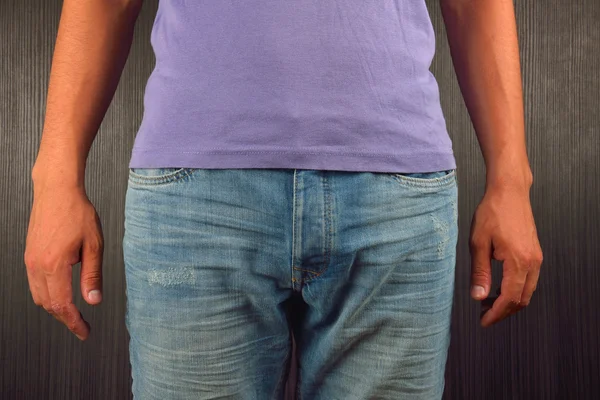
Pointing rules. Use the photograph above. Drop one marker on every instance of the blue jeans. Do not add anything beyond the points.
(223, 265)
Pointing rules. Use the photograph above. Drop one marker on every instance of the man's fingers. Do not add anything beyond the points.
(486, 304)
(508, 301)
(528, 289)
(91, 270)
(501, 308)
(37, 286)
(533, 274)
(530, 286)
(39, 290)
(61, 301)
(481, 266)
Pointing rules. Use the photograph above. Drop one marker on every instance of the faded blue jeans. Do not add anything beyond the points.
(223, 265)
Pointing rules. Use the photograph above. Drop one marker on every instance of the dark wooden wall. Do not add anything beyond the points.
(549, 351)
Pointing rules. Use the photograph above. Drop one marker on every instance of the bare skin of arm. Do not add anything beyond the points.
(93, 42)
(482, 36)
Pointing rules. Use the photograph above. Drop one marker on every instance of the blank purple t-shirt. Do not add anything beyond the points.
(310, 84)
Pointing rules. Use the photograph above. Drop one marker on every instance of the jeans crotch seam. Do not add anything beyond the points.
(287, 366)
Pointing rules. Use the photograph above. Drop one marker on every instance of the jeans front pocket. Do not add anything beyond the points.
(157, 176)
(426, 179)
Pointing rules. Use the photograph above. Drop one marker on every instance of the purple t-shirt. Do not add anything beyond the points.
(308, 84)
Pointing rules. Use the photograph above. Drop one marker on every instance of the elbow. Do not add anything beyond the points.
(451, 4)
(131, 7)
(455, 7)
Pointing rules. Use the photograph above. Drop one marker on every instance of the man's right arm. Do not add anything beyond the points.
(92, 46)
(93, 42)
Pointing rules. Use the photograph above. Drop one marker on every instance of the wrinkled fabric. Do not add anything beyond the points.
(223, 266)
(321, 84)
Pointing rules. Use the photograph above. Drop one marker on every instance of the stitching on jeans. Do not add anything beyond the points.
(287, 359)
(307, 270)
(328, 235)
(329, 224)
(149, 180)
(174, 172)
(294, 227)
(441, 181)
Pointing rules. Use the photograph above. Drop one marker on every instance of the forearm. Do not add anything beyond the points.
(92, 45)
(482, 36)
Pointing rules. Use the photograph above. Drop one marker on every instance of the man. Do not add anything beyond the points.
(292, 172)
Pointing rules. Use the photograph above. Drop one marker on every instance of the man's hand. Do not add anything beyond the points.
(503, 228)
(64, 229)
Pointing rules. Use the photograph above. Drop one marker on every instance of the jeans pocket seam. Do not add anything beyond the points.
(159, 180)
(442, 181)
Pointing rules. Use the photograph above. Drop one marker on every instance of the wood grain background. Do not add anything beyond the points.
(551, 350)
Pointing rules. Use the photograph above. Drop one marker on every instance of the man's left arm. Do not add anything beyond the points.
(482, 36)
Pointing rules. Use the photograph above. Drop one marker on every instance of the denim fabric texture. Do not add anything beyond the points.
(223, 265)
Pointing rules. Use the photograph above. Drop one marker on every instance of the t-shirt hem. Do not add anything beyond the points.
(319, 160)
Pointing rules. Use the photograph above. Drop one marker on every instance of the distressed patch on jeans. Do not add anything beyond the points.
(443, 227)
(455, 209)
(172, 276)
